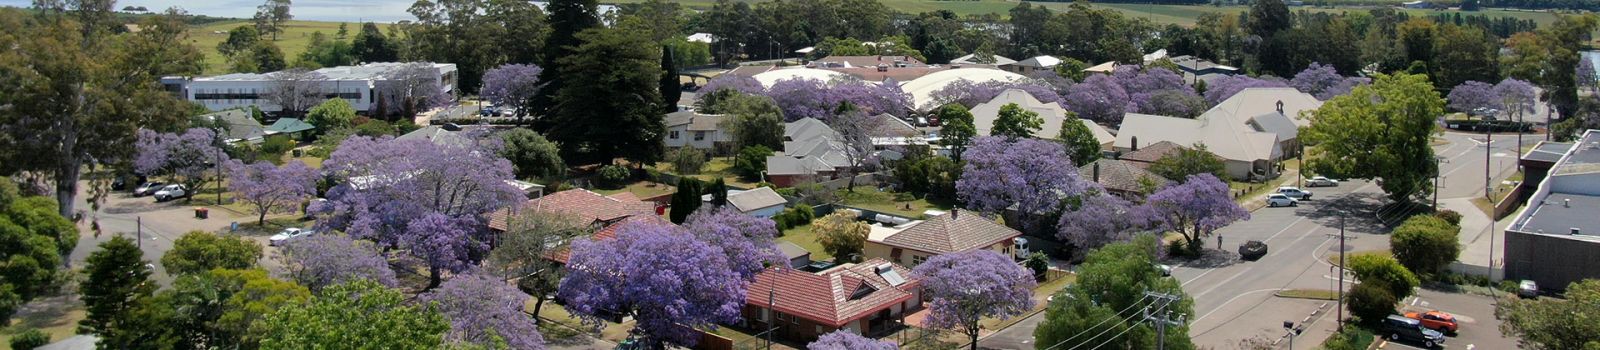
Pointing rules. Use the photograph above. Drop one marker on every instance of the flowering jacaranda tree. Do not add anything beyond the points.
(512, 86)
(328, 259)
(383, 184)
(484, 311)
(271, 189)
(801, 98)
(1472, 95)
(748, 241)
(742, 84)
(1316, 79)
(661, 276)
(185, 158)
(1096, 219)
(970, 94)
(1517, 96)
(846, 340)
(443, 242)
(1034, 175)
(1194, 208)
(1224, 87)
(1099, 98)
(965, 287)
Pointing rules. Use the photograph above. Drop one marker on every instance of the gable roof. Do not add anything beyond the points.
(1039, 61)
(971, 58)
(438, 135)
(890, 126)
(1120, 175)
(1222, 136)
(755, 199)
(1153, 152)
(952, 232)
(289, 125)
(829, 297)
(791, 251)
(582, 203)
(985, 114)
(1277, 124)
(865, 61)
(240, 125)
(609, 232)
(810, 147)
(1101, 135)
(694, 120)
(1263, 100)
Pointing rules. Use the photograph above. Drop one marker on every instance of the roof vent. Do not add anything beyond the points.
(1576, 231)
(1566, 202)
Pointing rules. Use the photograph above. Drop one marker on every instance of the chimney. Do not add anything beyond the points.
(1135, 142)
(1280, 106)
(1096, 171)
(954, 212)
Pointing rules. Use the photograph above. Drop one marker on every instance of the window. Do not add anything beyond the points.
(673, 135)
(699, 136)
(917, 260)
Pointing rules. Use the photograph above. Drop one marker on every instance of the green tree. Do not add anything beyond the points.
(1268, 17)
(1015, 122)
(240, 38)
(335, 113)
(118, 284)
(752, 120)
(1464, 53)
(1113, 278)
(200, 251)
(568, 18)
(248, 296)
(29, 339)
(686, 200)
(370, 45)
(32, 238)
(1549, 323)
(1416, 38)
(719, 192)
(325, 52)
(208, 310)
(1384, 272)
(687, 160)
(532, 155)
(1190, 161)
(1381, 131)
(386, 321)
(751, 162)
(629, 125)
(671, 89)
(1425, 244)
(1081, 145)
(1564, 40)
(522, 253)
(267, 58)
(841, 235)
(1370, 302)
(957, 129)
(1071, 68)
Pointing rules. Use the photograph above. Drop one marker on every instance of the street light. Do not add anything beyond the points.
(1293, 331)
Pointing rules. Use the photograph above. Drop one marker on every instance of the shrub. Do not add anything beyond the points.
(29, 339)
(687, 160)
(1038, 263)
(612, 176)
(1371, 302)
(1450, 216)
(1176, 248)
(751, 161)
(1384, 272)
(1425, 244)
(274, 147)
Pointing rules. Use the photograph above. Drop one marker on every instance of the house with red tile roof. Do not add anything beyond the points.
(863, 298)
(956, 231)
(594, 208)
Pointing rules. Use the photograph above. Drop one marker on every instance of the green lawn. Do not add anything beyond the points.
(641, 189)
(60, 321)
(1315, 294)
(296, 35)
(1041, 293)
(870, 198)
(803, 237)
(717, 167)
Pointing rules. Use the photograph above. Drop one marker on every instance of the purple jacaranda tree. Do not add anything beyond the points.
(742, 84)
(1032, 174)
(970, 94)
(1316, 80)
(965, 287)
(801, 98)
(1517, 96)
(443, 242)
(747, 240)
(1194, 208)
(658, 274)
(1222, 88)
(185, 158)
(512, 86)
(846, 340)
(1173, 103)
(411, 89)
(1099, 98)
(1097, 219)
(1472, 95)
(271, 189)
(1343, 87)
(328, 259)
(484, 311)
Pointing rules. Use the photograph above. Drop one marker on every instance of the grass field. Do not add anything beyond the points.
(296, 35)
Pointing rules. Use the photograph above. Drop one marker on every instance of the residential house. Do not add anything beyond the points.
(1252, 131)
(797, 256)
(1104, 68)
(761, 202)
(1122, 178)
(1199, 69)
(294, 128)
(592, 208)
(985, 114)
(971, 59)
(1144, 156)
(811, 152)
(956, 231)
(922, 89)
(866, 298)
(444, 135)
(878, 61)
(238, 125)
(688, 128)
(1555, 240)
(1033, 65)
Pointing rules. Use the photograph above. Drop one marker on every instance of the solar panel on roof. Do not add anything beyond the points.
(893, 277)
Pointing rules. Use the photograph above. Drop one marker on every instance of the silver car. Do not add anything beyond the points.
(288, 234)
(1321, 181)
(1280, 200)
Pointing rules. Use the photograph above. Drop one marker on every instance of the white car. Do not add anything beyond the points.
(1321, 181)
(1021, 248)
(1280, 200)
(1295, 192)
(288, 234)
(171, 192)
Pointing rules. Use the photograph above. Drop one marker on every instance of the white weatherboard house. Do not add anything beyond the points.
(357, 85)
(1252, 131)
(688, 128)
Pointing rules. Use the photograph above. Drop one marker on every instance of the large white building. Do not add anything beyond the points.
(358, 85)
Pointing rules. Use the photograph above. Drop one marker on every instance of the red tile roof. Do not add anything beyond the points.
(957, 231)
(590, 206)
(610, 231)
(826, 297)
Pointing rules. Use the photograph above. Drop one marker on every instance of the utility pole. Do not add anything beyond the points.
(1488, 148)
(138, 229)
(1162, 319)
(1342, 249)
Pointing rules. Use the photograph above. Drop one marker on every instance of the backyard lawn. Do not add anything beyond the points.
(803, 237)
(56, 316)
(866, 197)
(641, 189)
(718, 167)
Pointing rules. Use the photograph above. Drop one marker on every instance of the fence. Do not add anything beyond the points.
(1511, 201)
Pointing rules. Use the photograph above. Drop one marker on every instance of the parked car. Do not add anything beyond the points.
(1252, 250)
(1321, 181)
(1528, 289)
(288, 234)
(1281, 200)
(1402, 328)
(1020, 248)
(1295, 192)
(171, 192)
(147, 188)
(1436, 320)
(1166, 270)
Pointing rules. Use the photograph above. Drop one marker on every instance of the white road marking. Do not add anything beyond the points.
(1219, 308)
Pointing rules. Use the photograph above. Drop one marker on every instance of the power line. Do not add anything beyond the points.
(1097, 335)
(1097, 325)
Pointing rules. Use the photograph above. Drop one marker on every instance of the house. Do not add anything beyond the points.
(865, 298)
(1033, 65)
(1200, 66)
(1104, 68)
(1246, 153)
(1555, 240)
(293, 127)
(956, 231)
(1144, 156)
(985, 114)
(811, 152)
(921, 89)
(1122, 178)
(971, 59)
(796, 255)
(592, 208)
(359, 85)
(238, 125)
(878, 61)
(688, 128)
(761, 202)
(444, 135)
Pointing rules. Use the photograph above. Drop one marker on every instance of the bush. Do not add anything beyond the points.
(687, 160)
(1383, 272)
(29, 339)
(274, 147)
(751, 161)
(1177, 248)
(1352, 338)
(1371, 302)
(1449, 216)
(612, 176)
(1425, 244)
(1038, 263)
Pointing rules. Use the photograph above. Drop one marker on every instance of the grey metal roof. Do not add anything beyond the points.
(241, 126)
(1561, 212)
(1276, 123)
(694, 120)
(1570, 197)
(1547, 151)
(758, 198)
(791, 250)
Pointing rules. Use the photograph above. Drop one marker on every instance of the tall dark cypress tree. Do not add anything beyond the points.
(686, 200)
(719, 192)
(671, 90)
(567, 18)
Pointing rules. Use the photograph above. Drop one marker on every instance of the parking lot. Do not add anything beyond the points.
(1474, 313)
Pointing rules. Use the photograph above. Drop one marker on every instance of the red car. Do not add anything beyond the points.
(1436, 320)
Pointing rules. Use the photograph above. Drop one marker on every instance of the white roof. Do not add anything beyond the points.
(921, 89)
(1252, 102)
(701, 38)
(985, 114)
(1159, 54)
(1229, 140)
(969, 59)
(1107, 67)
(773, 76)
(1040, 61)
(807, 49)
(1100, 133)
